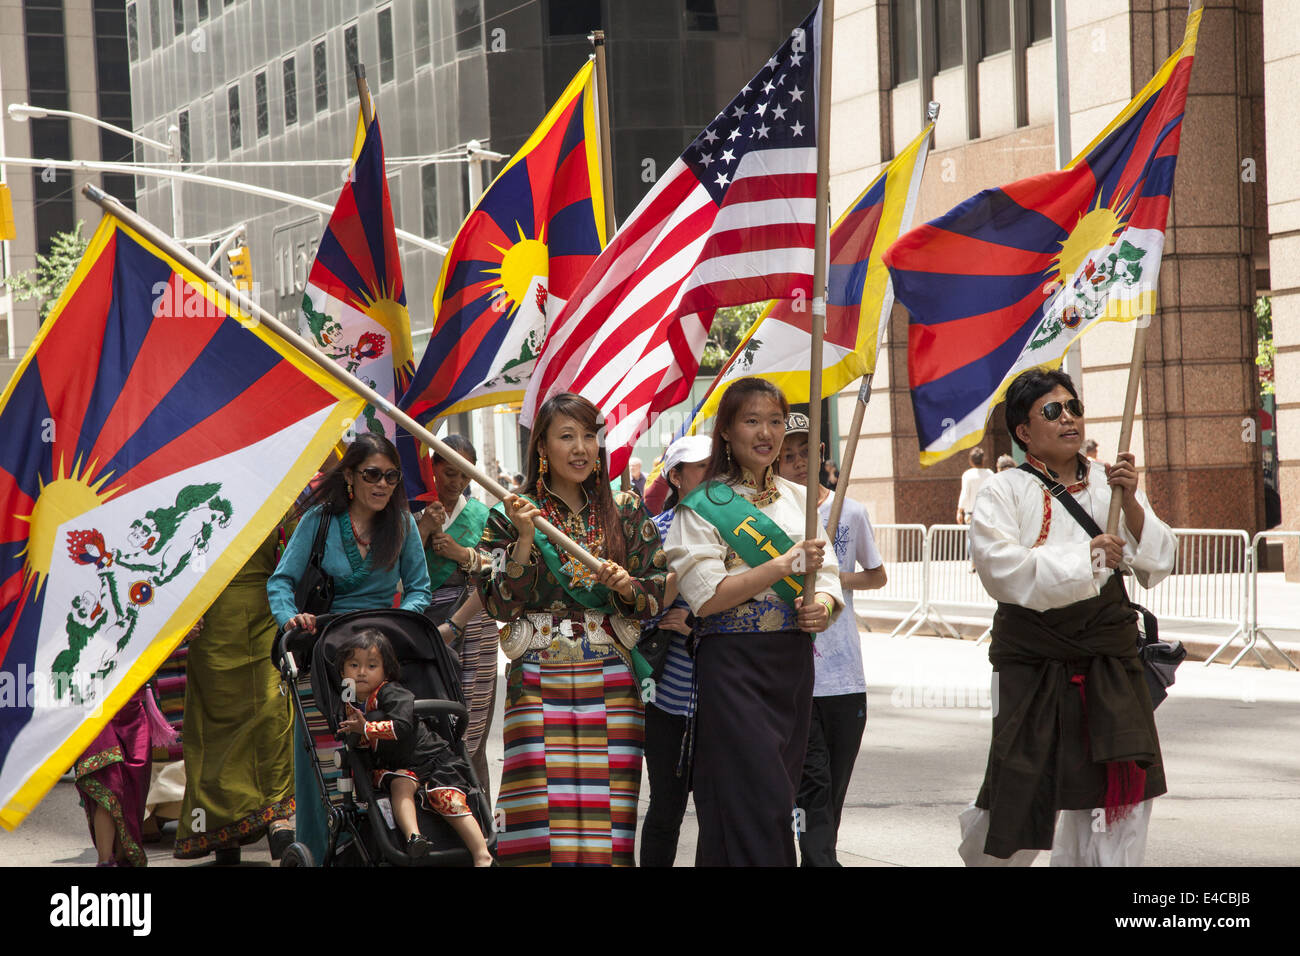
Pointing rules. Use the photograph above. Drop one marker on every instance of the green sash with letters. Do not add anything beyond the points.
(746, 530)
(597, 597)
(466, 531)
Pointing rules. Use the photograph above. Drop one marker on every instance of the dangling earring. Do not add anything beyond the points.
(595, 473)
(728, 447)
(542, 466)
(349, 491)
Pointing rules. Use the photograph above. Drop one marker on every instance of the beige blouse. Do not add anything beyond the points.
(702, 559)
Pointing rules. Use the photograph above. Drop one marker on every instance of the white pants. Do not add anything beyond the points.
(1082, 838)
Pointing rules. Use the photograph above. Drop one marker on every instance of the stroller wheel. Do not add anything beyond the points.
(297, 854)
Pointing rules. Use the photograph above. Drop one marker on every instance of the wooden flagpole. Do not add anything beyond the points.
(367, 109)
(597, 38)
(1134, 382)
(112, 206)
(846, 465)
(821, 230)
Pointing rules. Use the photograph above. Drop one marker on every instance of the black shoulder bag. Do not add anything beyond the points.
(1160, 659)
(315, 591)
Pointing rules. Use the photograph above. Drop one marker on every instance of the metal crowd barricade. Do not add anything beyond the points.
(1208, 584)
(1256, 630)
(950, 580)
(902, 550)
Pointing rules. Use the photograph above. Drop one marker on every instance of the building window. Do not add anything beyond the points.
(385, 21)
(232, 102)
(566, 18)
(178, 17)
(290, 92)
(320, 76)
(995, 27)
(903, 35)
(947, 35)
(263, 106)
(132, 33)
(203, 9)
(713, 16)
(1040, 20)
(468, 24)
(423, 43)
(155, 26)
(429, 199)
(184, 123)
(351, 58)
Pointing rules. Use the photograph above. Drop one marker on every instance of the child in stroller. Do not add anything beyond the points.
(409, 756)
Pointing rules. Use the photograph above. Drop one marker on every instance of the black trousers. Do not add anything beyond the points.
(755, 699)
(834, 736)
(668, 792)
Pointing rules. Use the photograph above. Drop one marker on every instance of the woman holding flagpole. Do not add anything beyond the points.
(732, 545)
(450, 528)
(573, 723)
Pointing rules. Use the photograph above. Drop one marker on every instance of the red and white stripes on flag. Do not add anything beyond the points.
(730, 222)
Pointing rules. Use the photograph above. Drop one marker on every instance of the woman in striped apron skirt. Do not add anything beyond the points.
(573, 720)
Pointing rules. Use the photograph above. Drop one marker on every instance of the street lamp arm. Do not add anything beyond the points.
(174, 174)
(21, 111)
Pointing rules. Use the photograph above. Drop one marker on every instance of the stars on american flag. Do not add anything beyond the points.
(768, 113)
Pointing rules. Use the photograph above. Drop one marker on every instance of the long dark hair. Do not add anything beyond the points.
(596, 484)
(331, 493)
(724, 466)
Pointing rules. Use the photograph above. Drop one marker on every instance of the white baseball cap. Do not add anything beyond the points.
(687, 450)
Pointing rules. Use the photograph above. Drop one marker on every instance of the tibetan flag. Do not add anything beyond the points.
(354, 307)
(153, 437)
(859, 296)
(516, 260)
(1010, 278)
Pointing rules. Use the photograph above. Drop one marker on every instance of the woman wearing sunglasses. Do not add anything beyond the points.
(1076, 760)
(372, 547)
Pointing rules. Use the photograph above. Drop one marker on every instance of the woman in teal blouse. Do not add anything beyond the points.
(372, 547)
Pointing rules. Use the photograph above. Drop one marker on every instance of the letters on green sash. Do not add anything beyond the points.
(466, 531)
(597, 598)
(750, 533)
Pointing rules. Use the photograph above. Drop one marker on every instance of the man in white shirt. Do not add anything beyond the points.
(972, 480)
(1074, 741)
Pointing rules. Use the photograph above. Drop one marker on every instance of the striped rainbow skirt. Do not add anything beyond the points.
(573, 736)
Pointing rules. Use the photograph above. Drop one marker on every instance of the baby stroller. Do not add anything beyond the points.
(359, 822)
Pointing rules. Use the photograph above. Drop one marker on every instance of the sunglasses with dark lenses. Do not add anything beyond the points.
(1052, 410)
(372, 475)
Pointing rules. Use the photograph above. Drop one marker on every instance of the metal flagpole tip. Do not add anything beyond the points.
(93, 192)
(932, 111)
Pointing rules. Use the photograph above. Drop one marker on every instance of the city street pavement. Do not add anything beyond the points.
(1228, 738)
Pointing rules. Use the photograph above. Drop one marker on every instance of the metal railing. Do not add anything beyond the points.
(950, 579)
(1257, 627)
(1214, 583)
(1208, 585)
(902, 550)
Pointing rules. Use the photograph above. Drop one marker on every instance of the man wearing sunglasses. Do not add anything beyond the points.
(1076, 760)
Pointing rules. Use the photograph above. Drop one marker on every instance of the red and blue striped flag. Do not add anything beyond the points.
(516, 260)
(1010, 278)
(153, 437)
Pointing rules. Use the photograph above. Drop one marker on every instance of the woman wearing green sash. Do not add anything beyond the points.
(732, 545)
(451, 528)
(573, 723)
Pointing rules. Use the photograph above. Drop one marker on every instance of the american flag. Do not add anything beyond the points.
(730, 222)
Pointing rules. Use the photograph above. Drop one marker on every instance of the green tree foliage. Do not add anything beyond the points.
(729, 325)
(52, 272)
(1266, 353)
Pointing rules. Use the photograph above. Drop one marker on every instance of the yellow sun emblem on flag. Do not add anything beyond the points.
(393, 317)
(1096, 230)
(519, 264)
(63, 499)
